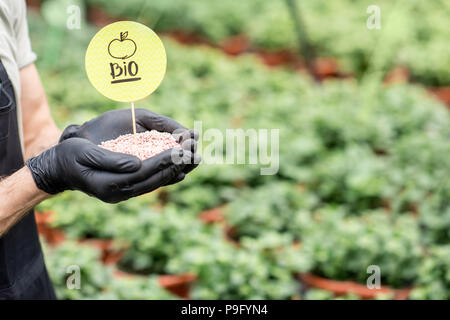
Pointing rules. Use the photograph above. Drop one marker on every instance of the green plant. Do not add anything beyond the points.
(318, 294)
(435, 216)
(194, 198)
(433, 280)
(91, 218)
(412, 34)
(354, 176)
(157, 237)
(137, 288)
(96, 280)
(259, 270)
(69, 259)
(267, 208)
(342, 248)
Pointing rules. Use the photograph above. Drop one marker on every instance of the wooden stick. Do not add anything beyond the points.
(133, 116)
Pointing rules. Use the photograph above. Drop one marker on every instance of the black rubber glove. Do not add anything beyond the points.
(78, 164)
(114, 123)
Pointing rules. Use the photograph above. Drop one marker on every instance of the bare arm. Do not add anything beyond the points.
(39, 129)
(19, 192)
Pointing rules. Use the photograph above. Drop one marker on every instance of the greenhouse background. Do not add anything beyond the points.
(364, 167)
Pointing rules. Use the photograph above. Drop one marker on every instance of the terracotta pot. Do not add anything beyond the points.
(236, 45)
(326, 67)
(397, 76)
(113, 257)
(44, 217)
(53, 236)
(344, 287)
(277, 58)
(178, 284)
(187, 37)
(111, 253)
(441, 93)
(102, 244)
(214, 215)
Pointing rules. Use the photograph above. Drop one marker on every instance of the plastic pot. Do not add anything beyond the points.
(214, 215)
(44, 217)
(397, 76)
(236, 45)
(111, 252)
(53, 236)
(441, 93)
(326, 68)
(188, 38)
(345, 287)
(277, 58)
(177, 284)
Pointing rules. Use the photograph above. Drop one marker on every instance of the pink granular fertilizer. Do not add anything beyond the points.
(146, 145)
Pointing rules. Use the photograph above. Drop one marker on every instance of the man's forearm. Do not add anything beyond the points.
(39, 129)
(45, 138)
(18, 194)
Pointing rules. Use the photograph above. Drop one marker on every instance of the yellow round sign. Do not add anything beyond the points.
(125, 61)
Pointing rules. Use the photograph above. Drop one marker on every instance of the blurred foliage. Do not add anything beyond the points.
(96, 281)
(157, 237)
(318, 294)
(136, 289)
(91, 218)
(94, 276)
(270, 207)
(434, 275)
(261, 269)
(340, 246)
(413, 33)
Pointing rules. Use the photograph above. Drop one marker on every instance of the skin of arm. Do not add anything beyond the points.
(19, 192)
(39, 129)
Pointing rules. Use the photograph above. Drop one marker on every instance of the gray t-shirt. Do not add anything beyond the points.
(15, 47)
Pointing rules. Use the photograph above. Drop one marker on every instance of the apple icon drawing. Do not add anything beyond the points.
(122, 48)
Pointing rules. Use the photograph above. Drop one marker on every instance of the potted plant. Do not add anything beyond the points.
(157, 237)
(69, 258)
(433, 279)
(51, 234)
(258, 270)
(343, 248)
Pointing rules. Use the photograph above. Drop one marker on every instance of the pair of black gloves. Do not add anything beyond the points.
(78, 163)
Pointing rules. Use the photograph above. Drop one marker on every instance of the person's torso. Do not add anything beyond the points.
(22, 269)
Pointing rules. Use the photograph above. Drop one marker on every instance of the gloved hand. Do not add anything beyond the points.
(114, 123)
(78, 164)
